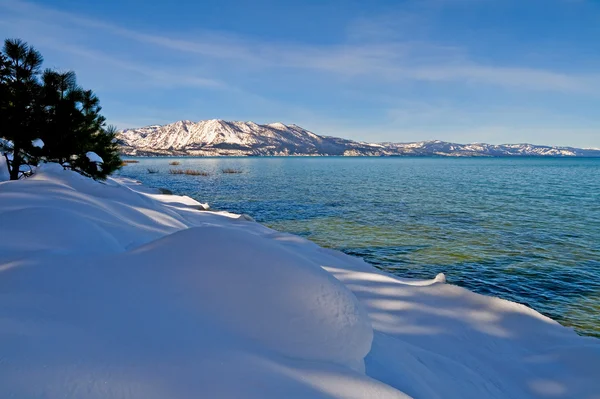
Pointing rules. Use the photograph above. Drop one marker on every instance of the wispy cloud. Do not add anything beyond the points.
(58, 30)
(388, 78)
(154, 76)
(390, 59)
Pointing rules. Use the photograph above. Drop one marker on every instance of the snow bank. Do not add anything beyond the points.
(112, 290)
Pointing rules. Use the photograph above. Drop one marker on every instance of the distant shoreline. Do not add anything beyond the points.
(370, 156)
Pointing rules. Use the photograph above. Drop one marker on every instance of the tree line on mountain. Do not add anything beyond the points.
(46, 116)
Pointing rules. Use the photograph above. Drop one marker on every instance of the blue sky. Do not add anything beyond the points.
(494, 71)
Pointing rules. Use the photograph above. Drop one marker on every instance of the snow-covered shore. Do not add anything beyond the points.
(112, 290)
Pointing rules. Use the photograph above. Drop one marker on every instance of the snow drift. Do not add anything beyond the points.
(112, 290)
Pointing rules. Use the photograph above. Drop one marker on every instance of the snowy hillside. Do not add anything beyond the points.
(111, 290)
(218, 137)
(443, 148)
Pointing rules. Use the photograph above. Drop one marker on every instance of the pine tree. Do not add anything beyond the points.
(62, 105)
(75, 126)
(54, 108)
(104, 144)
(19, 103)
(4, 74)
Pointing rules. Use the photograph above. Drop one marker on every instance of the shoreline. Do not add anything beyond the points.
(440, 277)
(433, 156)
(120, 274)
(514, 249)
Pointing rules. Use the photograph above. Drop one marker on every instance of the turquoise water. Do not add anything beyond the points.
(525, 229)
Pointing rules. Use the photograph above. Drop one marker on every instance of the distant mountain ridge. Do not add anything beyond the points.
(216, 137)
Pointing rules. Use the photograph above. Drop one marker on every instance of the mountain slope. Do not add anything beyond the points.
(217, 137)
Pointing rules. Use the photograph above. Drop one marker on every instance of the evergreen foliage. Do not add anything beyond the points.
(50, 106)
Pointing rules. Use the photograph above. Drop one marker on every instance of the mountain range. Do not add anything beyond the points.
(216, 137)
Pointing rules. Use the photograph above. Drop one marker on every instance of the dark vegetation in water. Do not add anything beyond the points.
(189, 172)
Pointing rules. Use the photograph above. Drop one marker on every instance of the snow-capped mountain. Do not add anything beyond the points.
(218, 137)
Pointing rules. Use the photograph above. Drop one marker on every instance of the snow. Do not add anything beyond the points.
(38, 143)
(93, 157)
(6, 144)
(217, 137)
(181, 200)
(208, 136)
(112, 290)
(278, 126)
(4, 175)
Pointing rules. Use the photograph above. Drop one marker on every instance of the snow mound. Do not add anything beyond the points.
(38, 143)
(56, 230)
(314, 316)
(112, 290)
(93, 157)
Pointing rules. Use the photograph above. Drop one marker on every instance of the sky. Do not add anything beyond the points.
(495, 71)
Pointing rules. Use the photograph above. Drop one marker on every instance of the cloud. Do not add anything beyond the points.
(385, 81)
(56, 30)
(155, 76)
(389, 59)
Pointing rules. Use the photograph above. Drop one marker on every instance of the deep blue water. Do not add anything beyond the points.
(524, 229)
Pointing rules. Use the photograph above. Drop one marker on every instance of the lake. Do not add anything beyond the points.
(523, 229)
